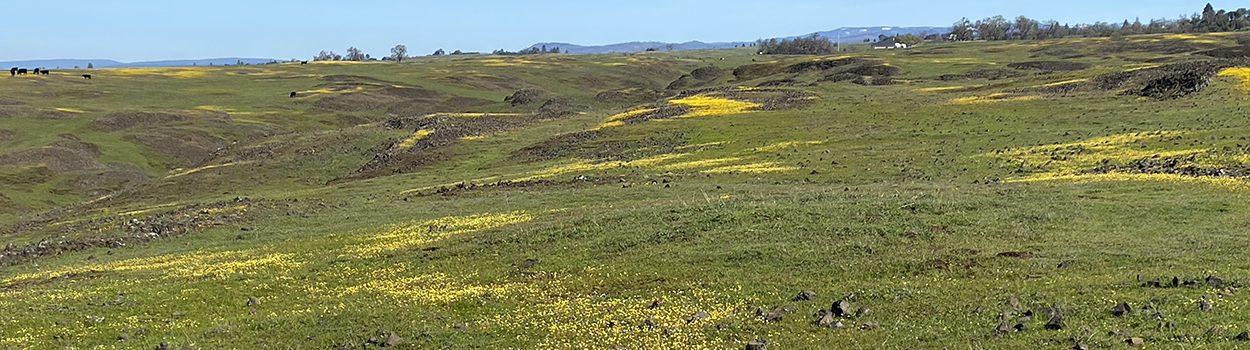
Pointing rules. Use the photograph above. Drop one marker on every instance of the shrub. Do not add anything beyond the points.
(808, 45)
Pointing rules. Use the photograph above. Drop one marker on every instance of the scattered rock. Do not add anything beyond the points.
(1080, 345)
(347, 345)
(698, 316)
(650, 322)
(460, 325)
(863, 310)
(1154, 283)
(758, 344)
(162, 346)
(1003, 328)
(1244, 336)
(1065, 264)
(842, 308)
(1135, 341)
(1216, 331)
(1055, 323)
(1215, 281)
(826, 321)
(1121, 309)
(806, 295)
(870, 325)
(253, 301)
(1014, 302)
(1020, 327)
(775, 315)
(1204, 304)
(392, 340)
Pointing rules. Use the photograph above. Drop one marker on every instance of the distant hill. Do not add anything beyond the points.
(103, 63)
(849, 35)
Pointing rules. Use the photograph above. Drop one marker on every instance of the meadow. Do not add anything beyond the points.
(985, 195)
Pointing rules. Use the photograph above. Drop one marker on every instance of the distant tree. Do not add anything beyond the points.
(909, 39)
(554, 50)
(457, 52)
(90, 66)
(652, 49)
(75, 67)
(882, 37)
(354, 54)
(669, 47)
(368, 57)
(1027, 29)
(808, 45)
(962, 30)
(238, 63)
(399, 52)
(439, 52)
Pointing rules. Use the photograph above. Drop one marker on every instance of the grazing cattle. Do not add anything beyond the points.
(86, 76)
(44, 72)
(292, 94)
(303, 62)
(13, 71)
(21, 71)
(36, 71)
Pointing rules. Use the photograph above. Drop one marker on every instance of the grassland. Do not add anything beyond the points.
(410, 199)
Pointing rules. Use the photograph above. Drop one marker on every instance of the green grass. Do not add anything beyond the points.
(876, 193)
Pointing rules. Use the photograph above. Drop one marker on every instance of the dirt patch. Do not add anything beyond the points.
(778, 82)
(463, 188)
(823, 65)
(1052, 66)
(136, 230)
(557, 107)
(62, 156)
(1169, 81)
(6, 134)
(880, 80)
(8, 102)
(755, 71)
(601, 145)
(839, 77)
(684, 82)
(874, 70)
(117, 177)
(55, 115)
(1227, 52)
(1183, 165)
(125, 120)
(28, 176)
(629, 95)
(410, 92)
(395, 157)
(524, 97)
(708, 73)
(487, 82)
(557, 146)
(988, 74)
(189, 147)
(356, 101)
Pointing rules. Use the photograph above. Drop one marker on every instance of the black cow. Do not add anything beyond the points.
(292, 94)
(13, 71)
(86, 76)
(45, 72)
(36, 71)
(21, 71)
(303, 62)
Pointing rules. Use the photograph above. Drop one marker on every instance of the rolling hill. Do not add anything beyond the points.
(1065, 193)
(848, 35)
(102, 63)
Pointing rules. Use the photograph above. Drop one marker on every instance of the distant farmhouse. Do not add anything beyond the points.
(888, 43)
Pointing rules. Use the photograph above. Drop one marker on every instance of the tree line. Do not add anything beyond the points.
(1209, 20)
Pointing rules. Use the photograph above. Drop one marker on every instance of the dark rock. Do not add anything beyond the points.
(528, 263)
(870, 325)
(649, 322)
(1020, 327)
(1055, 323)
(1065, 264)
(806, 295)
(392, 340)
(826, 321)
(253, 301)
(1154, 283)
(699, 316)
(1176, 282)
(721, 326)
(1215, 281)
(1003, 328)
(1121, 309)
(347, 345)
(842, 308)
(162, 346)
(123, 337)
(1244, 336)
(187, 347)
(1014, 302)
(1135, 341)
(863, 310)
(1080, 345)
(775, 315)
(758, 344)
(821, 313)
(460, 325)
(1204, 304)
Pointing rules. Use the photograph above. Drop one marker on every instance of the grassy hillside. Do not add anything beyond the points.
(954, 196)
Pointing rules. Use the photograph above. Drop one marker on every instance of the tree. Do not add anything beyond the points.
(909, 39)
(399, 52)
(354, 54)
(962, 30)
(457, 52)
(90, 66)
(993, 28)
(439, 52)
(1026, 29)
(809, 45)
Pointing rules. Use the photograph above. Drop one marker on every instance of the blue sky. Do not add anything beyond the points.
(135, 30)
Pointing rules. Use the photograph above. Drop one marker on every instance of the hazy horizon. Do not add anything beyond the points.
(130, 31)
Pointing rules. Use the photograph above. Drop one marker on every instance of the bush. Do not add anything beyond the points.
(809, 45)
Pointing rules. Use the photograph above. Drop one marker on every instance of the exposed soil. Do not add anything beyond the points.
(1053, 66)
(410, 92)
(6, 134)
(391, 158)
(823, 65)
(136, 230)
(755, 71)
(557, 146)
(461, 102)
(1227, 52)
(524, 97)
(8, 102)
(557, 107)
(1183, 165)
(684, 82)
(125, 120)
(988, 74)
(189, 147)
(708, 73)
(53, 114)
(462, 188)
(600, 145)
(117, 177)
(62, 156)
(629, 95)
(778, 82)
(356, 101)
(840, 77)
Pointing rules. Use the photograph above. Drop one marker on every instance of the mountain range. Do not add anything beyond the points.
(105, 63)
(845, 35)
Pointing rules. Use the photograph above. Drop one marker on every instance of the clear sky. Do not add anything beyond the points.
(140, 30)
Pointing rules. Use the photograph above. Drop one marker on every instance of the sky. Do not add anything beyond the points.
(144, 30)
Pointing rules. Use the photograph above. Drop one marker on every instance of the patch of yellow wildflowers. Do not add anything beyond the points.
(412, 140)
(418, 233)
(704, 105)
(1242, 74)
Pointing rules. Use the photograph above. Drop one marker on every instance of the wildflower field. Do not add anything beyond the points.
(967, 204)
